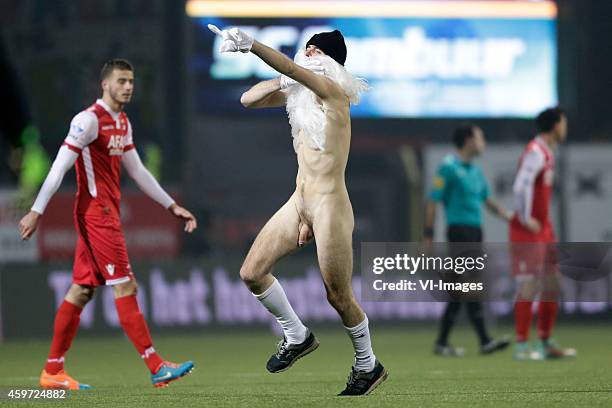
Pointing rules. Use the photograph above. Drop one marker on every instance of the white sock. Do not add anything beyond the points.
(275, 300)
(360, 336)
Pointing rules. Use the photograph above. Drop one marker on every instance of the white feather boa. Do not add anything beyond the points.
(306, 115)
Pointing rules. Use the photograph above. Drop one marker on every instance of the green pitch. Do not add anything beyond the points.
(230, 372)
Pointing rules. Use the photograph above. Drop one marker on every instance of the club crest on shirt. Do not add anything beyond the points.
(110, 268)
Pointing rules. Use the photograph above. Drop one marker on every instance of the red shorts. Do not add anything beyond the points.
(532, 254)
(101, 256)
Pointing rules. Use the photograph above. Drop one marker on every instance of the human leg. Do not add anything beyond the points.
(333, 235)
(65, 327)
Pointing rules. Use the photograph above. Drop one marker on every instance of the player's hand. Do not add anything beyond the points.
(234, 39)
(533, 225)
(179, 212)
(28, 225)
(311, 64)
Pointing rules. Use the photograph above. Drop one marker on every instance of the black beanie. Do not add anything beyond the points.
(331, 43)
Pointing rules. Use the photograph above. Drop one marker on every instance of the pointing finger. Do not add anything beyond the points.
(215, 29)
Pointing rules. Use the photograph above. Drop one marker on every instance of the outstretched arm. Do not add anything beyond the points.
(323, 87)
(237, 40)
(266, 94)
(63, 162)
(147, 183)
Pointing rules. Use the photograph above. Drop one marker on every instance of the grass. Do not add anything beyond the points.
(230, 372)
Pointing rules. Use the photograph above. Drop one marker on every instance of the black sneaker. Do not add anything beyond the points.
(362, 383)
(287, 354)
(494, 345)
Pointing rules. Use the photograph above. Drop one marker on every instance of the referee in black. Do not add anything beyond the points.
(460, 185)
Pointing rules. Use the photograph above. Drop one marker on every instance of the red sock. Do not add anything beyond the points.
(547, 314)
(135, 327)
(522, 320)
(65, 328)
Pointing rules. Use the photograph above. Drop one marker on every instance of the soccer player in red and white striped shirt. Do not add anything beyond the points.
(99, 142)
(533, 239)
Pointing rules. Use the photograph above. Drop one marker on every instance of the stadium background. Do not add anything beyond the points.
(233, 168)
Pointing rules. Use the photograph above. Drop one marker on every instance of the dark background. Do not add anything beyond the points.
(223, 165)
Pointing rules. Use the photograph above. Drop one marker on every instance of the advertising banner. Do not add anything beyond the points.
(589, 192)
(422, 59)
(12, 248)
(150, 231)
(188, 295)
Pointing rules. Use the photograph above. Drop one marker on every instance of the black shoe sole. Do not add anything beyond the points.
(313, 347)
(383, 377)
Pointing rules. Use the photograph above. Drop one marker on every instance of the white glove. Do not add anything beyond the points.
(311, 64)
(234, 39)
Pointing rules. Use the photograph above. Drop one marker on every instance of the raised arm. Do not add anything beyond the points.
(265, 94)
(323, 87)
(236, 40)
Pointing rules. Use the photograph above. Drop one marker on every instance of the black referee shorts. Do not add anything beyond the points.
(463, 233)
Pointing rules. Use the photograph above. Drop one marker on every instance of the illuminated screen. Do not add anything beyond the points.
(423, 59)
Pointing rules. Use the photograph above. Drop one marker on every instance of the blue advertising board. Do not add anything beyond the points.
(417, 67)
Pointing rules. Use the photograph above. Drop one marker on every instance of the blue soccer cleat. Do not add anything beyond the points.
(169, 372)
